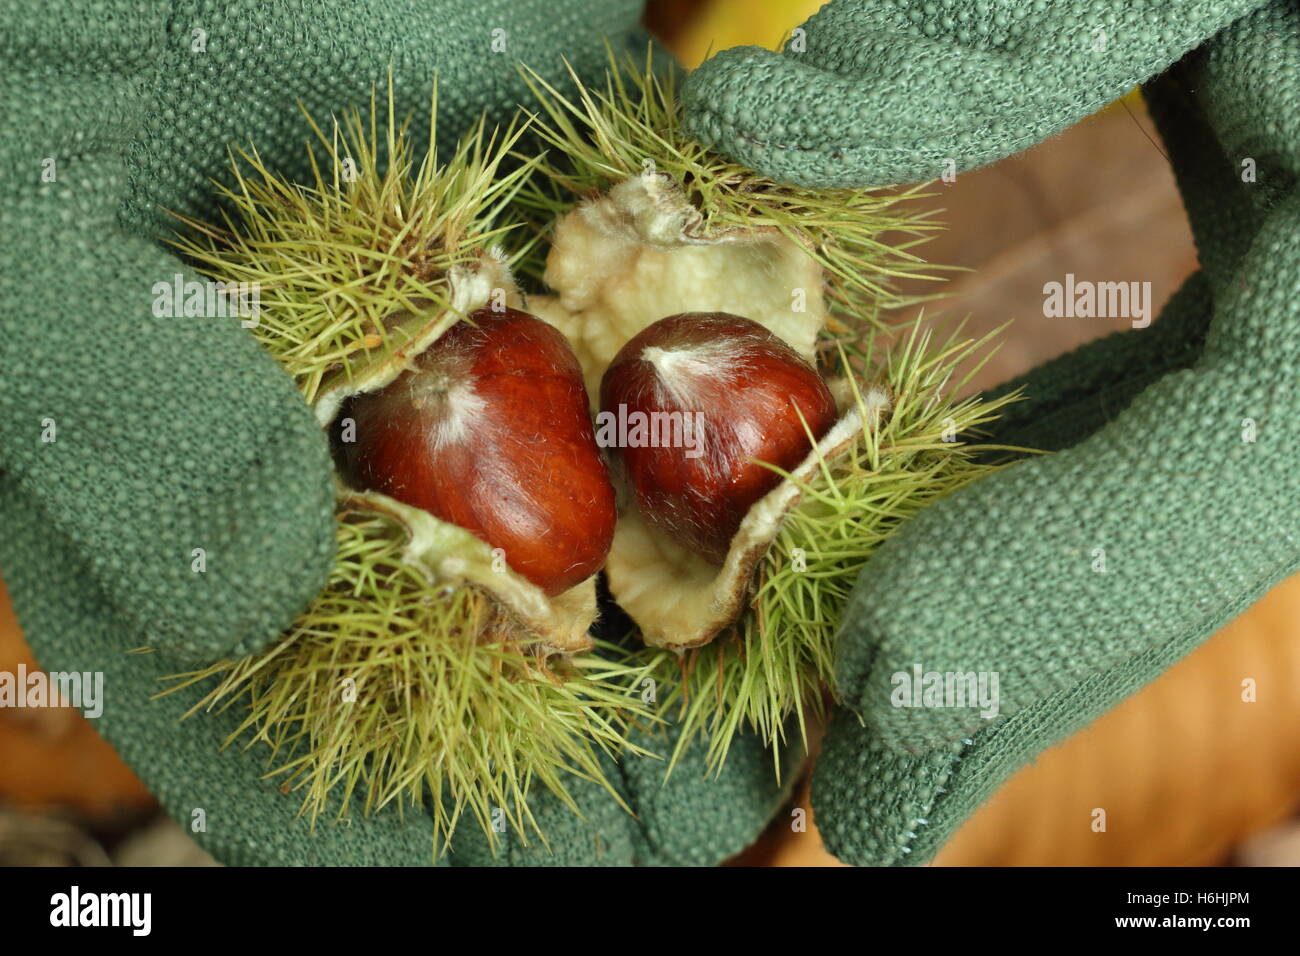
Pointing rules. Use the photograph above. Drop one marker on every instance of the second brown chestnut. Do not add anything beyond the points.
(715, 394)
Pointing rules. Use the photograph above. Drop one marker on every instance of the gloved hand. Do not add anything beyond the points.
(172, 434)
(1172, 444)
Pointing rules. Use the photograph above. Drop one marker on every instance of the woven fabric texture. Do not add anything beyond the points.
(176, 434)
(893, 91)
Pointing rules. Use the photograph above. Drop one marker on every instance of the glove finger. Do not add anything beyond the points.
(171, 452)
(698, 817)
(873, 94)
(599, 834)
(878, 807)
(693, 818)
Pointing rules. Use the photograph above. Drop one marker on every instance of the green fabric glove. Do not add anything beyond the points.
(1154, 460)
(173, 434)
(890, 91)
(696, 818)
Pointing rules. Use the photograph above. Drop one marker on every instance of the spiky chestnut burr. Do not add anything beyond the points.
(491, 430)
(736, 395)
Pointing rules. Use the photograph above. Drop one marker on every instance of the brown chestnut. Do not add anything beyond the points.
(491, 430)
(714, 394)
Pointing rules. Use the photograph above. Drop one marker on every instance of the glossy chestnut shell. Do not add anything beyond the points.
(491, 430)
(738, 391)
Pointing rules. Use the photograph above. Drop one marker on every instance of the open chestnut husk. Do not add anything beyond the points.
(686, 548)
(531, 387)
